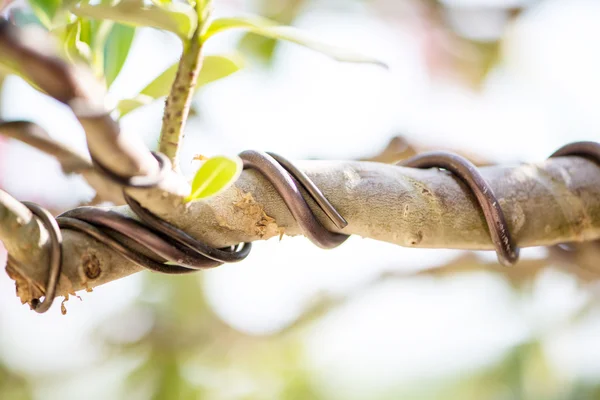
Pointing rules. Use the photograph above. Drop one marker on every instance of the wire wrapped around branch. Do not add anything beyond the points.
(161, 247)
(165, 248)
(157, 245)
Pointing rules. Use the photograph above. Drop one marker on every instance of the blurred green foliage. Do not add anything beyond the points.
(263, 48)
(14, 386)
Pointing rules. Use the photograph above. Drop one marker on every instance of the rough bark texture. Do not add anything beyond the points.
(548, 203)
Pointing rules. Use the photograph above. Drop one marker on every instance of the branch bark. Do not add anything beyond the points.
(548, 203)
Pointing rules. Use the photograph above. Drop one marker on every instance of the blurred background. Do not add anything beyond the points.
(499, 80)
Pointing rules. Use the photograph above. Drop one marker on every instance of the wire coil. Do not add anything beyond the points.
(507, 252)
(162, 247)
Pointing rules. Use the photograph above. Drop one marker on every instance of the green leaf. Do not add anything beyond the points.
(214, 176)
(213, 68)
(265, 27)
(75, 49)
(126, 106)
(262, 48)
(116, 50)
(161, 85)
(45, 10)
(175, 17)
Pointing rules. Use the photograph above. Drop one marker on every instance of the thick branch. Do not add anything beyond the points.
(548, 203)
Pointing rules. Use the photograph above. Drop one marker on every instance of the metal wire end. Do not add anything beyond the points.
(55, 264)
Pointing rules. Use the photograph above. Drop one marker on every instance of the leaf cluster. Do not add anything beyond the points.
(100, 34)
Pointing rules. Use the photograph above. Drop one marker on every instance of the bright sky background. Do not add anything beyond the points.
(544, 94)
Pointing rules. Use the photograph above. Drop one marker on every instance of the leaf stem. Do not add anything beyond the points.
(177, 106)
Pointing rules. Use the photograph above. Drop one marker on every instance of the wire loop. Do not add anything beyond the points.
(507, 252)
(55, 256)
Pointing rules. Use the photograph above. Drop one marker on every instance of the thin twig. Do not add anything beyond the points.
(400, 148)
(70, 161)
(177, 105)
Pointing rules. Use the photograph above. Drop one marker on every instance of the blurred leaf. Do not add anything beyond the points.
(126, 106)
(261, 47)
(213, 68)
(283, 12)
(116, 50)
(271, 29)
(75, 49)
(45, 10)
(88, 30)
(214, 176)
(13, 386)
(175, 17)
(160, 378)
(171, 384)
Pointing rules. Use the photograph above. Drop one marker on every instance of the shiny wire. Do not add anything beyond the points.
(55, 263)
(506, 250)
(162, 247)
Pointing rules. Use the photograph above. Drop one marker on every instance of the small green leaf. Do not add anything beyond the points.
(45, 10)
(126, 106)
(75, 49)
(116, 50)
(161, 85)
(214, 176)
(88, 31)
(213, 68)
(176, 17)
(265, 27)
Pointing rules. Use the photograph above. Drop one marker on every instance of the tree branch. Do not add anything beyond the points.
(28, 51)
(70, 161)
(400, 148)
(548, 203)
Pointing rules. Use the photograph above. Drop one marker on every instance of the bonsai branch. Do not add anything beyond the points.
(552, 202)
